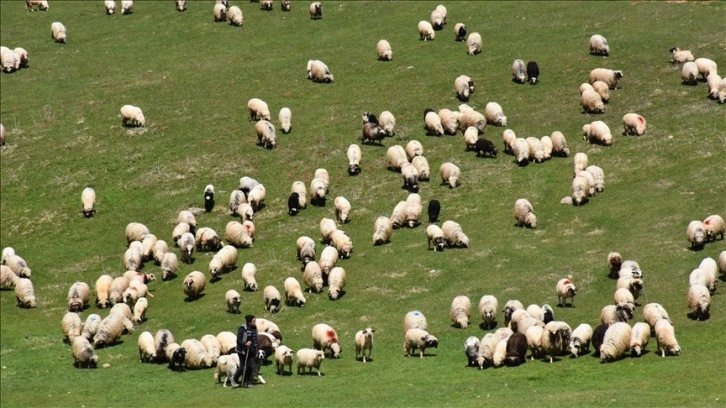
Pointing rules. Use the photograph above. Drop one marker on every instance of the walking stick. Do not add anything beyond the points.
(244, 369)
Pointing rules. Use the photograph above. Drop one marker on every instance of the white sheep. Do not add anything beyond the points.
(110, 6)
(196, 356)
(602, 89)
(487, 346)
(83, 353)
(342, 242)
(580, 339)
(266, 136)
(474, 43)
(147, 351)
(508, 138)
(722, 262)
(653, 312)
(639, 336)
(396, 157)
(450, 174)
(710, 266)
(494, 114)
(460, 31)
(25, 293)
(665, 335)
(110, 330)
(316, 12)
(364, 343)
(413, 210)
(414, 320)
(449, 121)
(630, 268)
(318, 71)
(235, 17)
(58, 32)
(293, 293)
(536, 150)
(10, 60)
(103, 291)
(705, 67)
(308, 358)
(194, 284)
(689, 73)
(460, 311)
(598, 176)
(425, 31)
(413, 149)
(435, 235)
(555, 339)
(327, 227)
(88, 199)
(616, 341)
(285, 119)
(387, 121)
(464, 86)
(127, 6)
(432, 123)
(623, 295)
(696, 234)
(721, 96)
(318, 192)
(713, 80)
(118, 286)
(565, 290)
(132, 116)
(472, 118)
(714, 225)
(488, 307)
(325, 338)
(249, 270)
(632, 285)
(383, 50)
(234, 300)
(592, 102)
(547, 147)
(212, 345)
(421, 164)
(18, 265)
(72, 326)
(454, 235)
(599, 45)
(382, 230)
(336, 282)
(90, 326)
(524, 213)
(437, 19)
(633, 124)
(258, 110)
(622, 312)
(398, 216)
(597, 132)
(140, 309)
(8, 278)
(313, 277)
(78, 296)
(520, 150)
(220, 12)
(681, 56)
(609, 76)
(342, 209)
(559, 144)
(500, 353)
(699, 301)
(418, 339)
(239, 234)
(169, 266)
(227, 342)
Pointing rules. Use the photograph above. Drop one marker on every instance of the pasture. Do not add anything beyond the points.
(193, 77)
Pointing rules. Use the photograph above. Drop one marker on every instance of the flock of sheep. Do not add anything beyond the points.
(532, 329)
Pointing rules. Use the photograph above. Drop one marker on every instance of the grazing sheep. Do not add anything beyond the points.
(235, 17)
(318, 71)
(520, 150)
(147, 351)
(364, 343)
(236, 199)
(471, 137)
(652, 312)
(382, 230)
(630, 268)
(239, 234)
(169, 266)
(598, 176)
(509, 138)
(207, 239)
(187, 244)
(699, 301)
(464, 86)
(599, 45)
(696, 234)
(196, 355)
(425, 31)
(118, 286)
(597, 132)
(258, 110)
(432, 123)
(592, 102)
(460, 311)
(308, 358)
(633, 125)
(615, 262)
(271, 298)
(419, 339)
(488, 307)
(313, 277)
(639, 336)
(454, 235)
(413, 210)
(471, 350)
(666, 337)
(293, 293)
(354, 156)
(372, 132)
(318, 192)
(413, 149)
(41, 5)
(609, 76)
(194, 284)
(710, 268)
(536, 150)
(616, 342)
(249, 270)
(90, 326)
(689, 73)
(383, 50)
(421, 164)
(396, 157)
(705, 67)
(602, 89)
(83, 353)
(110, 330)
(516, 350)
(712, 81)
(435, 235)
(58, 32)
(555, 339)
(494, 114)
(342, 209)
(580, 339)
(519, 74)
(437, 19)
(336, 282)
(325, 338)
(305, 250)
(8, 278)
(283, 357)
(622, 312)
(316, 12)
(623, 295)
(633, 286)
(546, 143)
(532, 72)
(450, 174)
(388, 123)
(220, 12)
(299, 188)
(414, 320)
(460, 31)
(265, 134)
(234, 300)
(285, 6)
(449, 119)
(524, 214)
(714, 226)
(227, 342)
(17, 265)
(342, 242)
(474, 43)
(472, 118)
(487, 346)
(266, 5)
(559, 144)
(681, 56)
(25, 293)
(132, 116)
(140, 310)
(327, 227)
(722, 262)
(88, 199)
(72, 326)
(127, 7)
(78, 296)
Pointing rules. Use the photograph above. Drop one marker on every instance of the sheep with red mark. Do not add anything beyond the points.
(325, 338)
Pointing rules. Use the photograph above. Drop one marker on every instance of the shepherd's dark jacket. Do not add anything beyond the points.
(244, 334)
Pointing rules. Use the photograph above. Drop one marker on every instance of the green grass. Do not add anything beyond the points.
(193, 77)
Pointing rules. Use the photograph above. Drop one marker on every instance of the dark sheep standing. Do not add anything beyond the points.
(373, 133)
(484, 146)
(369, 117)
(532, 72)
(433, 211)
(293, 204)
(516, 349)
(208, 199)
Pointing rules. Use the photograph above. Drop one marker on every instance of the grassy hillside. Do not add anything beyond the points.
(192, 77)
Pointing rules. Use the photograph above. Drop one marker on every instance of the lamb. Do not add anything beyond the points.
(494, 114)
(680, 56)
(518, 71)
(653, 312)
(639, 336)
(622, 312)
(699, 301)
(72, 326)
(283, 357)
(140, 310)
(414, 320)
(110, 330)
(18, 265)
(342, 209)
(559, 144)
(308, 358)
(474, 43)
(419, 339)
(616, 342)
(169, 266)
(421, 164)
(599, 177)
(488, 307)
(194, 284)
(313, 277)
(235, 17)
(382, 230)
(520, 150)
(592, 102)
(78, 296)
(336, 283)
(602, 89)
(319, 72)
(536, 150)
(555, 339)
(325, 338)
(132, 116)
(8, 278)
(608, 76)
(666, 338)
(265, 134)
(342, 242)
(706, 67)
(396, 157)
(599, 45)
(383, 50)
(712, 81)
(454, 235)
(524, 214)
(147, 351)
(450, 174)
(597, 132)
(435, 235)
(196, 355)
(327, 227)
(25, 293)
(487, 346)
(58, 32)
(460, 31)
(425, 31)
(118, 286)
(364, 343)
(532, 72)
(316, 12)
(714, 226)
(696, 234)
(460, 311)
(239, 234)
(432, 123)
(293, 293)
(580, 339)
(83, 354)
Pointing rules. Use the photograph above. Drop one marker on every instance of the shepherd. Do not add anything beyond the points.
(246, 347)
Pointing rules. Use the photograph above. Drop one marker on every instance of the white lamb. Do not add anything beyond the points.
(364, 343)
(132, 116)
(425, 31)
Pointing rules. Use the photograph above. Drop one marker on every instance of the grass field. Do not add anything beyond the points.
(193, 77)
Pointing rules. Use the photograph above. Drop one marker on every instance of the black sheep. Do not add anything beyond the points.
(177, 359)
(484, 146)
(516, 349)
(434, 209)
(293, 204)
(598, 335)
(209, 198)
(369, 117)
(532, 72)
